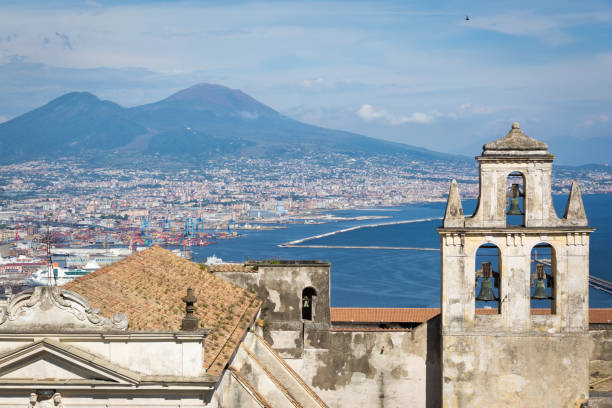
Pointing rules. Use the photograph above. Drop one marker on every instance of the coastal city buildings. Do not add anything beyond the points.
(263, 333)
(81, 205)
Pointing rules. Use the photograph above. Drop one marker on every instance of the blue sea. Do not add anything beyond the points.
(394, 278)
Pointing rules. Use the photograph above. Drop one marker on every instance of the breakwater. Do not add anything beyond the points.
(300, 243)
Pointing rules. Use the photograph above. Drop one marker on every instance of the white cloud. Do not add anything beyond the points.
(476, 109)
(309, 83)
(369, 113)
(547, 28)
(593, 120)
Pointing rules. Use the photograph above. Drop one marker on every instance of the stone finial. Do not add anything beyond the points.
(453, 218)
(574, 210)
(516, 125)
(190, 321)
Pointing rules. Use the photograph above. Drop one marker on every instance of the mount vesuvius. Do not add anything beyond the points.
(201, 121)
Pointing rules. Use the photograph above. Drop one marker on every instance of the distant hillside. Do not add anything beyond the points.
(201, 121)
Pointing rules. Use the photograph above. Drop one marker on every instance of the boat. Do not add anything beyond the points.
(213, 260)
(59, 276)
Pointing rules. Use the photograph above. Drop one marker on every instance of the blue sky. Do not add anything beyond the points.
(414, 72)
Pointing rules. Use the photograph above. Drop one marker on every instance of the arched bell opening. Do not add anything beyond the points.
(515, 193)
(543, 273)
(488, 283)
(309, 295)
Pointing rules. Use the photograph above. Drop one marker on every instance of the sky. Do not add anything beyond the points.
(407, 71)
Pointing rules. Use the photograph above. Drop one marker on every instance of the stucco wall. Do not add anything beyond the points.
(280, 286)
(600, 365)
(514, 371)
(374, 369)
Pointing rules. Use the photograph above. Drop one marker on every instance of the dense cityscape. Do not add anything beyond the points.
(80, 206)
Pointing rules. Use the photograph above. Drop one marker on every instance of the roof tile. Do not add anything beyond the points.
(148, 288)
(420, 315)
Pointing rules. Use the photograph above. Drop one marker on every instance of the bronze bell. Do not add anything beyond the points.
(515, 208)
(540, 292)
(486, 291)
(486, 288)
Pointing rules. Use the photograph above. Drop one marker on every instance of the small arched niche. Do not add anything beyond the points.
(515, 193)
(309, 296)
(488, 283)
(543, 273)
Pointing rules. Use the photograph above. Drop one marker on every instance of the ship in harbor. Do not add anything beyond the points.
(56, 275)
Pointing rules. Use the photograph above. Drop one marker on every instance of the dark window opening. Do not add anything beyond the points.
(543, 270)
(515, 191)
(487, 278)
(308, 296)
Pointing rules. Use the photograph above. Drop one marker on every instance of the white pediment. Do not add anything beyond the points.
(51, 361)
(47, 367)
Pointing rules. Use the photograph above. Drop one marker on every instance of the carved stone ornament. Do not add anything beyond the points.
(50, 308)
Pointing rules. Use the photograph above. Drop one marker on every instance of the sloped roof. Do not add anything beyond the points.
(148, 288)
(603, 315)
(421, 315)
(515, 139)
(386, 315)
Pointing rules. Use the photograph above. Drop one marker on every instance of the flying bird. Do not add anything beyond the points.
(467, 18)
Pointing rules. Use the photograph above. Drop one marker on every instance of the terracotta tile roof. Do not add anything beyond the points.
(420, 315)
(600, 315)
(148, 288)
(231, 267)
(387, 315)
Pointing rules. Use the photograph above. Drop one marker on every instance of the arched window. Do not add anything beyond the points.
(515, 191)
(308, 297)
(487, 285)
(543, 271)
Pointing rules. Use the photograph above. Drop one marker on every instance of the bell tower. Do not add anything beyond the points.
(514, 286)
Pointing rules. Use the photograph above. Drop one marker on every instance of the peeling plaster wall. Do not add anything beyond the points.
(512, 357)
(600, 365)
(231, 393)
(493, 200)
(458, 250)
(352, 368)
(280, 286)
(344, 368)
(514, 371)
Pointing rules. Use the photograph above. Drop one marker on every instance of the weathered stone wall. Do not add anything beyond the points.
(369, 368)
(281, 286)
(514, 371)
(600, 366)
(519, 352)
(493, 199)
(374, 369)
(458, 250)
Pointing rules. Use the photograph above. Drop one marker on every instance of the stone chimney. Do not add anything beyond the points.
(190, 321)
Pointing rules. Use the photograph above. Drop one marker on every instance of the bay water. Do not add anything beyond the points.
(392, 277)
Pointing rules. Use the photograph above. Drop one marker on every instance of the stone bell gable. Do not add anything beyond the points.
(528, 269)
(529, 162)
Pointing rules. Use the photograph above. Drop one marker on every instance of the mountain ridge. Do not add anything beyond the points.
(204, 120)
